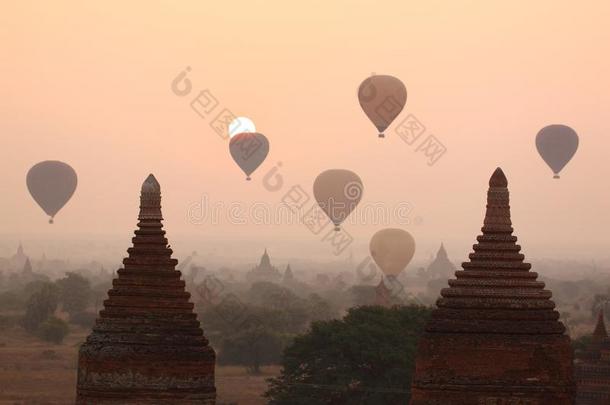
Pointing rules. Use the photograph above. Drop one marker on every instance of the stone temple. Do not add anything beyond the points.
(495, 337)
(147, 346)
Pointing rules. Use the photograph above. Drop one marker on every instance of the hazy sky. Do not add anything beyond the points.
(90, 84)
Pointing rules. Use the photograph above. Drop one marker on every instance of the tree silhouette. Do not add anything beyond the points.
(365, 358)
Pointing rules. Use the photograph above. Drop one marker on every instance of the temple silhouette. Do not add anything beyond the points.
(265, 271)
(592, 368)
(147, 346)
(494, 337)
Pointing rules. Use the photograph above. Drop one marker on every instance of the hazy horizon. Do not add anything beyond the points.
(92, 87)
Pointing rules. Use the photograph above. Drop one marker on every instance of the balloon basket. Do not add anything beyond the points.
(51, 220)
(248, 178)
(381, 135)
(556, 176)
(337, 228)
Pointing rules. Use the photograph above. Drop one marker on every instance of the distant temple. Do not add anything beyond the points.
(18, 259)
(264, 271)
(383, 295)
(441, 266)
(147, 346)
(27, 268)
(288, 276)
(494, 337)
(592, 368)
(438, 272)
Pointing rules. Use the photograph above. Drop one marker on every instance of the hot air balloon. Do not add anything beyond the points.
(249, 150)
(382, 98)
(557, 144)
(337, 192)
(392, 249)
(51, 183)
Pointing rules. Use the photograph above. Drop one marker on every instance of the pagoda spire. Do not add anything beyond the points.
(497, 277)
(600, 333)
(27, 267)
(147, 346)
(497, 316)
(442, 252)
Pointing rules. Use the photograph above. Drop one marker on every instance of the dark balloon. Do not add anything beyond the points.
(249, 150)
(557, 144)
(51, 183)
(382, 98)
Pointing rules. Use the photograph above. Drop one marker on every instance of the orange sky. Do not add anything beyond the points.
(89, 84)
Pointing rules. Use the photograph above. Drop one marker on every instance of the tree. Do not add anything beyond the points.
(362, 295)
(53, 330)
(253, 347)
(75, 292)
(320, 309)
(365, 358)
(11, 300)
(41, 305)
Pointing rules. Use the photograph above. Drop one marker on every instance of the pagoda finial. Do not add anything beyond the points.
(497, 216)
(150, 200)
(498, 179)
(600, 332)
(151, 185)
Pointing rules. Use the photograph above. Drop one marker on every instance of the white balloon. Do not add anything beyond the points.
(240, 125)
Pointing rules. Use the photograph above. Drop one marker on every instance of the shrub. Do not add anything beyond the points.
(53, 330)
(8, 321)
(11, 300)
(41, 305)
(75, 292)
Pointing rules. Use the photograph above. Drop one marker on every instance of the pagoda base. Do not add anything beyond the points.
(488, 369)
(112, 374)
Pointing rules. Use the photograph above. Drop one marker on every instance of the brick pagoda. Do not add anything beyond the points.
(147, 346)
(494, 338)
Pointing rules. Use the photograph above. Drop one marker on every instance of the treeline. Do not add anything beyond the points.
(35, 306)
(252, 328)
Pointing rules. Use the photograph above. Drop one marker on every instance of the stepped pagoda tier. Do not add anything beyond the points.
(494, 337)
(147, 346)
